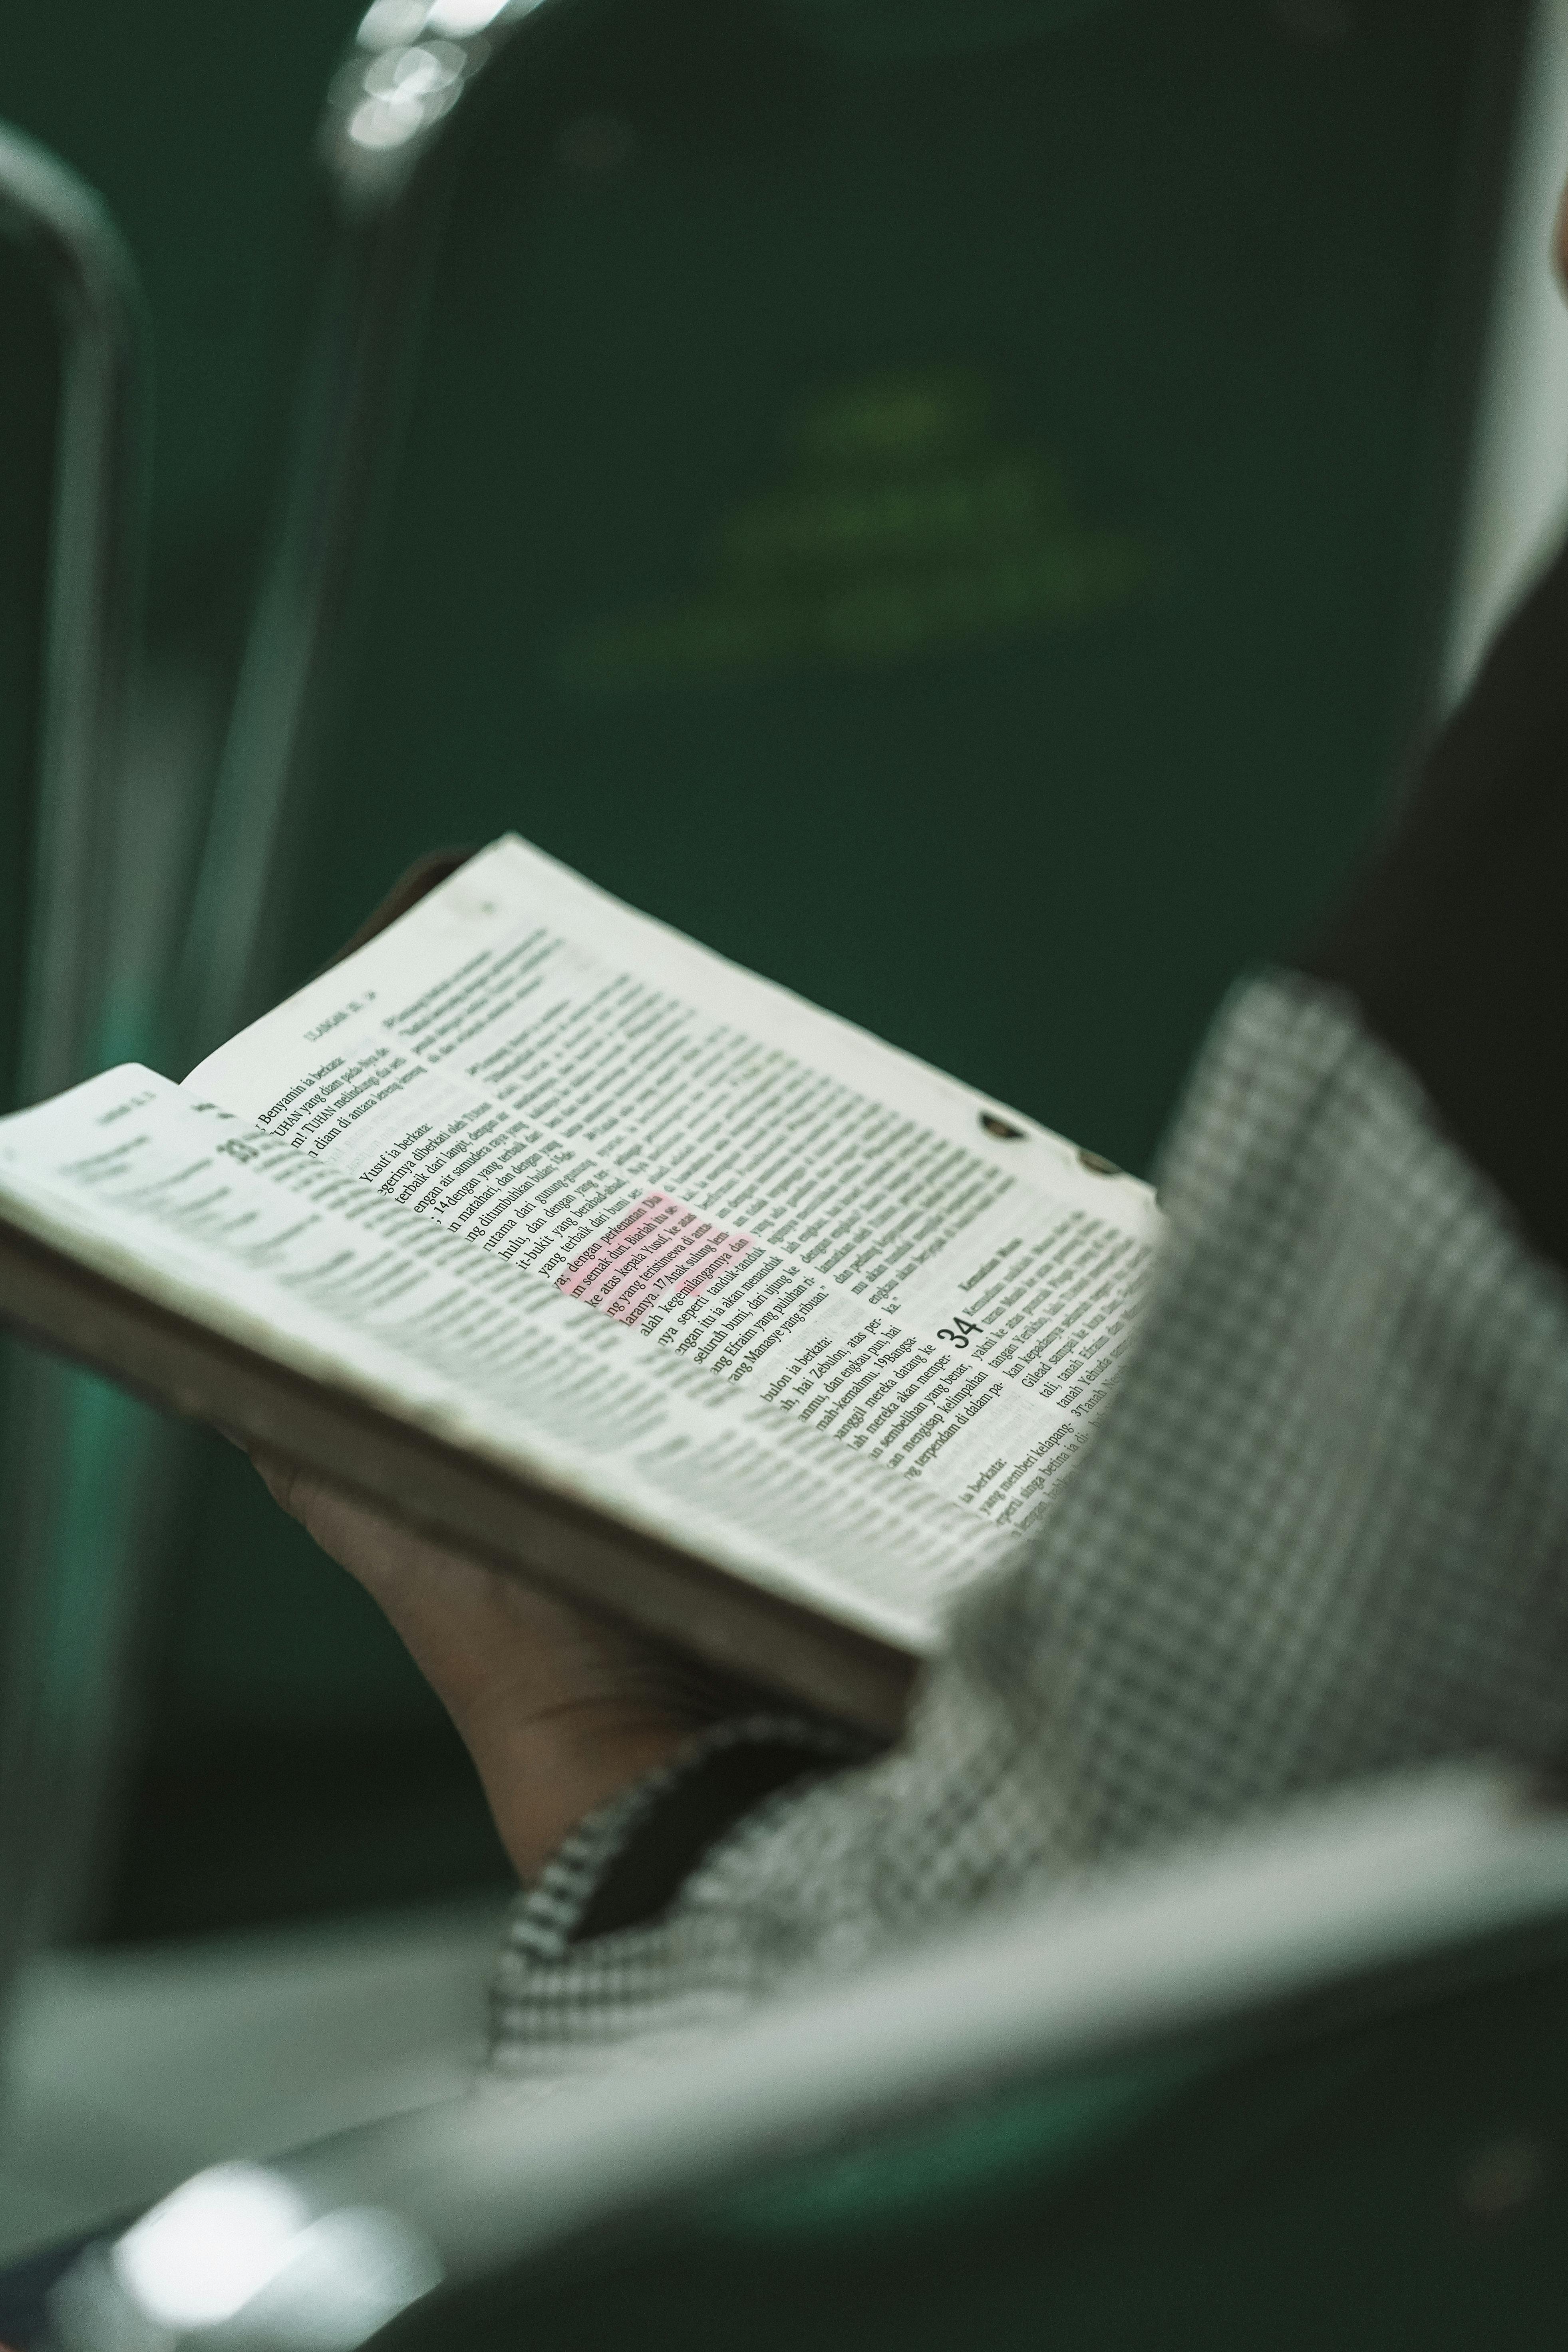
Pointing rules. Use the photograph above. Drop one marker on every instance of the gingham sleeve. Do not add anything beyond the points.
(1320, 1532)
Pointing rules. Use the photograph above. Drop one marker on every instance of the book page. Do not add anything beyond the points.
(751, 1184)
(288, 1254)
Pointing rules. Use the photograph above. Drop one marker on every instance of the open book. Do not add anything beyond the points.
(596, 1255)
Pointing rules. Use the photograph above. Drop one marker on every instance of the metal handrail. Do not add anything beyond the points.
(416, 83)
(90, 641)
(1332, 1911)
(93, 594)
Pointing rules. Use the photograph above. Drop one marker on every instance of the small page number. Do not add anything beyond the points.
(958, 1331)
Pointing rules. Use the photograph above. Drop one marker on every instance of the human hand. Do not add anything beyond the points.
(557, 1711)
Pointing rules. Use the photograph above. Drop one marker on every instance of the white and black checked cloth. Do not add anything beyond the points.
(1322, 1532)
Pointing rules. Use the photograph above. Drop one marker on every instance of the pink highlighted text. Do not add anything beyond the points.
(658, 1246)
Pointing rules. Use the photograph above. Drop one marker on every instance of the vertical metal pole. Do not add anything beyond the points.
(1516, 501)
(413, 84)
(50, 1686)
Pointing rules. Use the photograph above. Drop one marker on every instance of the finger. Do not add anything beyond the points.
(282, 1479)
(355, 1533)
(375, 1548)
(370, 1544)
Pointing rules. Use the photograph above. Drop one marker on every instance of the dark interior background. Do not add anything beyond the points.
(959, 525)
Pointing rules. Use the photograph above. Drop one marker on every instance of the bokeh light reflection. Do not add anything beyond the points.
(199, 2257)
(391, 23)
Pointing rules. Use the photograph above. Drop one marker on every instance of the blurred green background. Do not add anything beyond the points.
(951, 508)
(194, 123)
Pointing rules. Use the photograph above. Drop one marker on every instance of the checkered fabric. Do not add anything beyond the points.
(1322, 1532)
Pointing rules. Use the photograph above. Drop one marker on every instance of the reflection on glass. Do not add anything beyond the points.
(905, 523)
